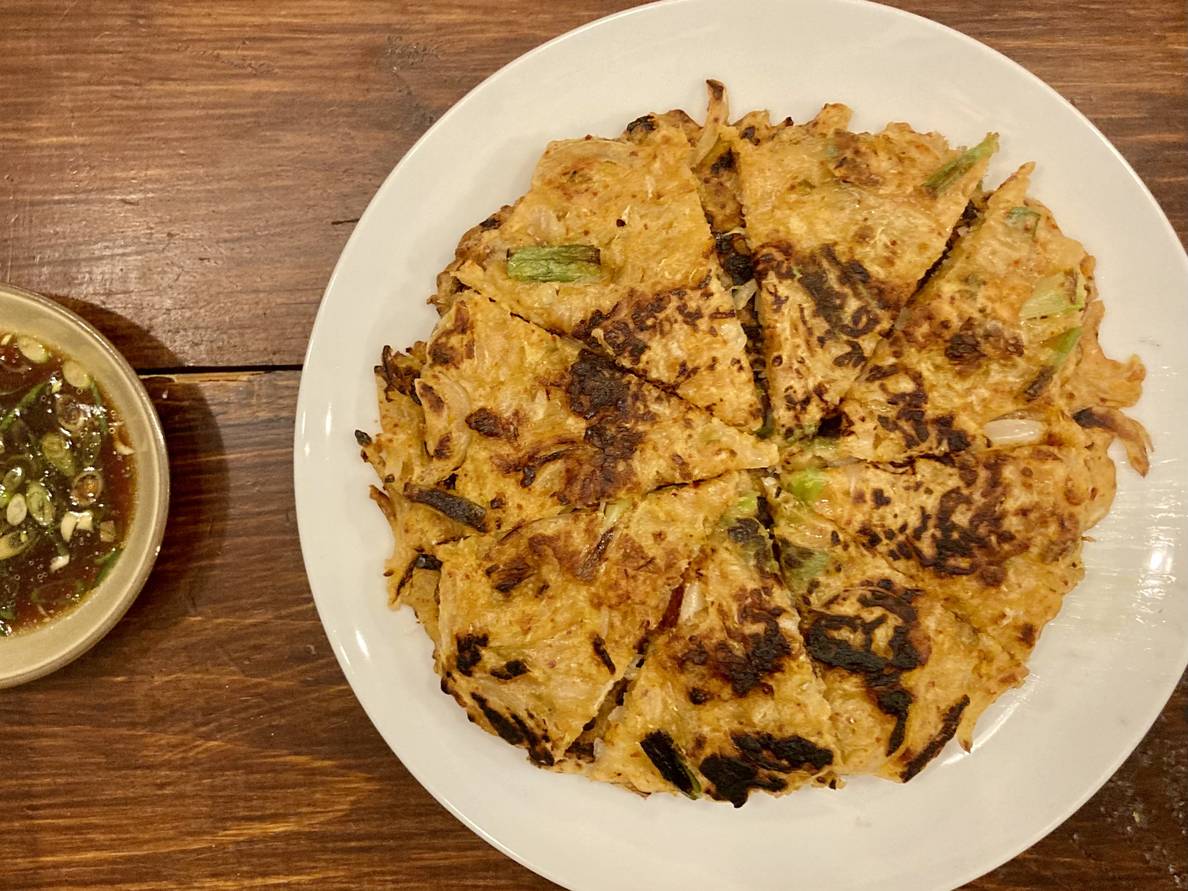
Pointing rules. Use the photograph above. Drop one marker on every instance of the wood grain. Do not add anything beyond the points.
(185, 175)
(189, 174)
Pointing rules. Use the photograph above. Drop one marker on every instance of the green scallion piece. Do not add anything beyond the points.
(616, 510)
(555, 263)
(746, 506)
(11, 484)
(25, 402)
(952, 171)
(1061, 347)
(1063, 344)
(107, 563)
(805, 485)
(56, 449)
(41, 505)
(15, 543)
(1053, 294)
(1023, 217)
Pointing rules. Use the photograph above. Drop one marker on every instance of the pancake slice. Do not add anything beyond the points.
(398, 456)
(843, 226)
(902, 674)
(711, 157)
(726, 700)
(538, 625)
(647, 292)
(715, 166)
(997, 535)
(521, 424)
(1003, 336)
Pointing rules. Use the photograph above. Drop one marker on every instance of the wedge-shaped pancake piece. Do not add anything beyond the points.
(997, 535)
(716, 170)
(398, 456)
(726, 700)
(902, 674)
(611, 246)
(711, 158)
(843, 226)
(539, 624)
(522, 424)
(983, 352)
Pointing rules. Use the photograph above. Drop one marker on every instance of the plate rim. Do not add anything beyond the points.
(972, 44)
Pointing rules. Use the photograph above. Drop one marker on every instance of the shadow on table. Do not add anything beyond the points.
(141, 349)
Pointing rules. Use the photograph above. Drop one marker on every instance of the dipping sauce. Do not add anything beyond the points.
(66, 484)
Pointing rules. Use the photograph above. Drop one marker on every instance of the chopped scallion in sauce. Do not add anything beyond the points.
(66, 484)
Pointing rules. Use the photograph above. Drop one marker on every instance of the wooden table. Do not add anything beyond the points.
(184, 175)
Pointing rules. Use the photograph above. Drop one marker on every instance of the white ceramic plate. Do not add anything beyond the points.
(1102, 670)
